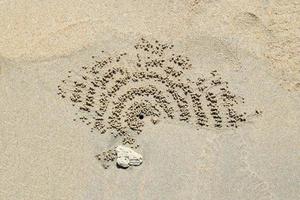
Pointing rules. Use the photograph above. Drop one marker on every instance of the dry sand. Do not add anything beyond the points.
(253, 44)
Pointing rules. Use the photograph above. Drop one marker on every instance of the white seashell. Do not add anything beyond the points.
(127, 157)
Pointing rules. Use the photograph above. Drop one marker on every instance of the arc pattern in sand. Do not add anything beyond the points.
(116, 93)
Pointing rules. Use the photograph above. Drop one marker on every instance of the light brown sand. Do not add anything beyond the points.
(45, 155)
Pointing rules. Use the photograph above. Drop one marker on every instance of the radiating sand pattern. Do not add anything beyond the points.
(117, 93)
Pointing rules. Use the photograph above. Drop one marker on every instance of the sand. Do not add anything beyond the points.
(252, 44)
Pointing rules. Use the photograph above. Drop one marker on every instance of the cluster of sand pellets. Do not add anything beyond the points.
(117, 93)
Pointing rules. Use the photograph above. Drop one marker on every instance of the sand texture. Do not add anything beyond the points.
(206, 92)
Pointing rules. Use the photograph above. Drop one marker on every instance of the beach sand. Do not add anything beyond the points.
(45, 154)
